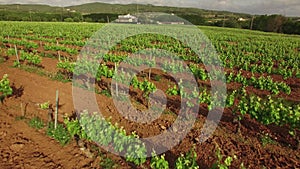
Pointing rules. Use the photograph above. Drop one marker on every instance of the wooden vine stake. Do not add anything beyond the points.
(56, 110)
(22, 110)
(150, 67)
(50, 116)
(8, 39)
(58, 52)
(117, 89)
(16, 51)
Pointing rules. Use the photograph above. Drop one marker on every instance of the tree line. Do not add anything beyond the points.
(267, 23)
(277, 23)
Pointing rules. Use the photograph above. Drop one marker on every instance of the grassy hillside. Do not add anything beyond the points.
(27, 7)
(117, 9)
(104, 12)
(131, 8)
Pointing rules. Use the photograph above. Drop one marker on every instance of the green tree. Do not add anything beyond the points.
(76, 19)
(291, 27)
(272, 23)
(88, 19)
(275, 23)
(68, 20)
(232, 23)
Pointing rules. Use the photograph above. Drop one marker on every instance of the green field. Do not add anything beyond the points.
(262, 73)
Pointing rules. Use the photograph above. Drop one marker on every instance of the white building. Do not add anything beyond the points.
(127, 19)
(170, 23)
(242, 19)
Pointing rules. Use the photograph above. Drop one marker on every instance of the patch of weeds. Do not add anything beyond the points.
(42, 54)
(16, 64)
(157, 109)
(49, 55)
(169, 112)
(2, 60)
(85, 86)
(20, 118)
(45, 106)
(41, 72)
(11, 52)
(88, 88)
(266, 139)
(97, 91)
(5, 89)
(108, 163)
(36, 123)
(144, 75)
(60, 77)
(96, 150)
(188, 160)
(157, 78)
(33, 69)
(224, 162)
(122, 97)
(159, 162)
(74, 128)
(60, 134)
(106, 93)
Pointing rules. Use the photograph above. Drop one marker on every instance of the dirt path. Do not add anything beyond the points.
(25, 147)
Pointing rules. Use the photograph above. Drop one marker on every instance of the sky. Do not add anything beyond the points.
(284, 7)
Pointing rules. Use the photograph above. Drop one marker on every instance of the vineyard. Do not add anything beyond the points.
(260, 126)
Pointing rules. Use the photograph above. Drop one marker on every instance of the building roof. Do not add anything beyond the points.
(128, 16)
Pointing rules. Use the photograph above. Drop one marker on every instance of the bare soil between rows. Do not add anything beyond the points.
(24, 147)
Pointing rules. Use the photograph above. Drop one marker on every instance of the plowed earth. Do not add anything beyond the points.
(24, 147)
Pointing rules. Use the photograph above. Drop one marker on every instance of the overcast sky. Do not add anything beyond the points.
(285, 7)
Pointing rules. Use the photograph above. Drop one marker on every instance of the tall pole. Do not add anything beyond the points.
(224, 21)
(107, 19)
(56, 110)
(30, 15)
(251, 27)
(61, 16)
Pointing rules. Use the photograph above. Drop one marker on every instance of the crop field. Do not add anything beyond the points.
(259, 127)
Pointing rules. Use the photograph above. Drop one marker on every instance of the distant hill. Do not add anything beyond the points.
(105, 12)
(131, 8)
(116, 9)
(30, 7)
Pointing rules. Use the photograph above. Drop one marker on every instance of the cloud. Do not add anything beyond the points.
(222, 2)
(286, 7)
